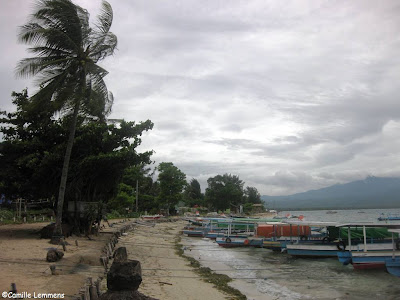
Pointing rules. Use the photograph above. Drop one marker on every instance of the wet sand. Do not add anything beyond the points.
(166, 275)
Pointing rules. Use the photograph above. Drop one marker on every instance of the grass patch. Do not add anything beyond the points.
(220, 281)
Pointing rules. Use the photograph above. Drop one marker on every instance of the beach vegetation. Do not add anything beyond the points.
(171, 182)
(251, 195)
(66, 51)
(192, 195)
(32, 150)
(223, 191)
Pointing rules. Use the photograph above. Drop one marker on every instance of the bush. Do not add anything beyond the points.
(6, 214)
(114, 215)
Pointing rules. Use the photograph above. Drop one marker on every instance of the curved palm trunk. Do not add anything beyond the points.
(57, 234)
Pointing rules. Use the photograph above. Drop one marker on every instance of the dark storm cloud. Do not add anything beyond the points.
(289, 95)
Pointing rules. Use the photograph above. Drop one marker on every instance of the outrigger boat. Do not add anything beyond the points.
(317, 244)
(246, 238)
(234, 239)
(370, 255)
(393, 263)
(389, 217)
(151, 217)
(277, 235)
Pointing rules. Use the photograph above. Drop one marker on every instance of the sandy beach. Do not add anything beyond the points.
(165, 274)
(23, 261)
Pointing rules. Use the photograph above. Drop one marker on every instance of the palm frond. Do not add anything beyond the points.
(35, 65)
(105, 18)
(61, 15)
(103, 46)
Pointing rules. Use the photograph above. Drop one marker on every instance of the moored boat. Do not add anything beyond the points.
(239, 241)
(389, 217)
(151, 217)
(393, 266)
(374, 254)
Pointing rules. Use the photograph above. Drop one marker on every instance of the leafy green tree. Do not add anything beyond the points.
(171, 181)
(193, 195)
(30, 139)
(141, 174)
(224, 191)
(66, 52)
(252, 195)
(31, 156)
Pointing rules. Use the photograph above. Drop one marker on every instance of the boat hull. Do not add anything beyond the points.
(232, 241)
(372, 259)
(393, 266)
(312, 250)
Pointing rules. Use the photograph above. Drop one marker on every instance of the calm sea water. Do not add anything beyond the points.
(263, 274)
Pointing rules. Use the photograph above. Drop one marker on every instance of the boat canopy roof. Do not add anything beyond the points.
(369, 224)
(358, 232)
(310, 223)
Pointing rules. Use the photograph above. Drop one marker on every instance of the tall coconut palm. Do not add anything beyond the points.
(66, 52)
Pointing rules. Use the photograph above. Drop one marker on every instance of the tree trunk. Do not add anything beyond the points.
(57, 234)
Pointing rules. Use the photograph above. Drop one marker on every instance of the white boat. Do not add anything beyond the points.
(371, 256)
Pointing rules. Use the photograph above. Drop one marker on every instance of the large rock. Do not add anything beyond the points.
(54, 255)
(120, 254)
(124, 275)
(125, 295)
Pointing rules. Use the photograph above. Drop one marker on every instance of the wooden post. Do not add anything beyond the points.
(87, 293)
(53, 269)
(63, 245)
(97, 284)
(82, 294)
(137, 195)
(16, 209)
(365, 239)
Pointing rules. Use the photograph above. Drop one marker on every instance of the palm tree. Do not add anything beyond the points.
(66, 51)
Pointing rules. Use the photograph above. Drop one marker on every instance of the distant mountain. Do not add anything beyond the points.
(372, 192)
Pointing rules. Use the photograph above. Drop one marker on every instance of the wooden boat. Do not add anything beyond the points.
(238, 241)
(389, 217)
(393, 263)
(152, 217)
(370, 255)
(316, 244)
(277, 235)
(393, 266)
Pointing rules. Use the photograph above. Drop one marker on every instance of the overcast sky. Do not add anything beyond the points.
(288, 95)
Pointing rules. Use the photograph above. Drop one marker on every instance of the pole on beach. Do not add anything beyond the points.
(137, 195)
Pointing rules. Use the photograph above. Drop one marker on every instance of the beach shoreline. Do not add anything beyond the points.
(166, 275)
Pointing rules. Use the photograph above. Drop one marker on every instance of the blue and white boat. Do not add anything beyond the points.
(318, 244)
(389, 217)
(370, 255)
(393, 263)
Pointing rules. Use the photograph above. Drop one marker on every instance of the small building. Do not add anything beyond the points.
(258, 208)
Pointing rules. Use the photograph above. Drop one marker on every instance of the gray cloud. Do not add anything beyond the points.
(289, 96)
